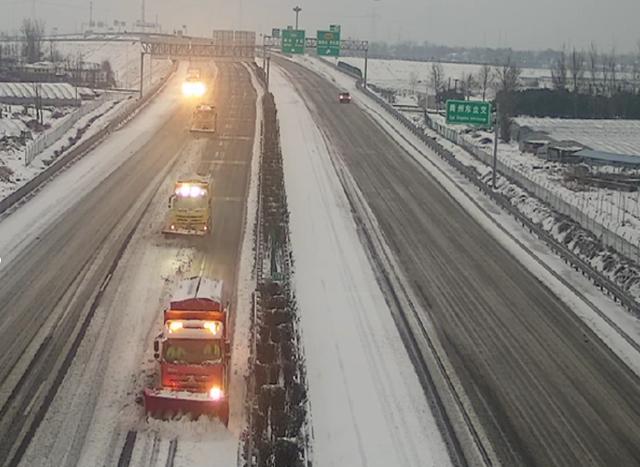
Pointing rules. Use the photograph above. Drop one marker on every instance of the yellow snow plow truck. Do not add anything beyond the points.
(204, 119)
(189, 208)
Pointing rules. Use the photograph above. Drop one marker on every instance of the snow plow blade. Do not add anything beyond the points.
(165, 405)
(195, 232)
(202, 130)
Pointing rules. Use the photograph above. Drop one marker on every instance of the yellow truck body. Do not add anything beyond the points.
(189, 208)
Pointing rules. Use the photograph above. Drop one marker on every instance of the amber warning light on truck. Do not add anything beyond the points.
(193, 88)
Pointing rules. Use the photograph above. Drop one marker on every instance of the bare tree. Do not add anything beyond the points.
(576, 67)
(54, 54)
(37, 102)
(485, 79)
(612, 65)
(467, 84)
(413, 82)
(559, 71)
(111, 78)
(593, 67)
(636, 70)
(78, 65)
(507, 82)
(604, 70)
(32, 31)
(436, 80)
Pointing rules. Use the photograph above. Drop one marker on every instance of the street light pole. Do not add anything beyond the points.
(297, 10)
(496, 127)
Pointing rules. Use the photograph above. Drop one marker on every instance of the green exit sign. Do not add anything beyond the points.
(328, 43)
(469, 113)
(293, 41)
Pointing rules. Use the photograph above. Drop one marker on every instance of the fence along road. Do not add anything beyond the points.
(45, 140)
(124, 115)
(590, 222)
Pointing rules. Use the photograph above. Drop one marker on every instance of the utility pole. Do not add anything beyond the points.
(90, 14)
(268, 71)
(297, 10)
(495, 147)
(366, 66)
(143, 14)
(141, 74)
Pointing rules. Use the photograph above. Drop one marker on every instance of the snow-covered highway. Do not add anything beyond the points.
(83, 280)
(545, 389)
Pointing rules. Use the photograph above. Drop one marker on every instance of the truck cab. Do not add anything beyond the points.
(204, 119)
(189, 208)
(193, 352)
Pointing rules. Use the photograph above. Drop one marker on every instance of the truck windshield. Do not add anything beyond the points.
(205, 115)
(191, 351)
(185, 202)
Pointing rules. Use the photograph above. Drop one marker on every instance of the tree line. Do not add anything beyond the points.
(34, 48)
(589, 84)
(594, 72)
(503, 79)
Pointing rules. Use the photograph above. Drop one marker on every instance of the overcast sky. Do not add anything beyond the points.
(521, 24)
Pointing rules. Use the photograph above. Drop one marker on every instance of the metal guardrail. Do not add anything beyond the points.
(601, 281)
(606, 235)
(83, 148)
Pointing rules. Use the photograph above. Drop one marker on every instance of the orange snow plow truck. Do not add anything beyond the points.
(193, 351)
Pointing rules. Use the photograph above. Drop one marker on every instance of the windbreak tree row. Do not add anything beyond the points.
(277, 396)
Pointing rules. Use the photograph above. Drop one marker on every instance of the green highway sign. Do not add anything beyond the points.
(328, 43)
(469, 112)
(334, 28)
(293, 41)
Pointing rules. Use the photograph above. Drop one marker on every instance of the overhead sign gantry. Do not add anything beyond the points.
(328, 44)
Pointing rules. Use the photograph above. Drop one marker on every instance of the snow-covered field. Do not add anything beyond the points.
(14, 119)
(12, 151)
(398, 74)
(124, 58)
(367, 405)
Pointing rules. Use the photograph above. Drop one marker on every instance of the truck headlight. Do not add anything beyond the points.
(215, 394)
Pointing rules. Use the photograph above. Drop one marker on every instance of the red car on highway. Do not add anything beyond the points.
(344, 97)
